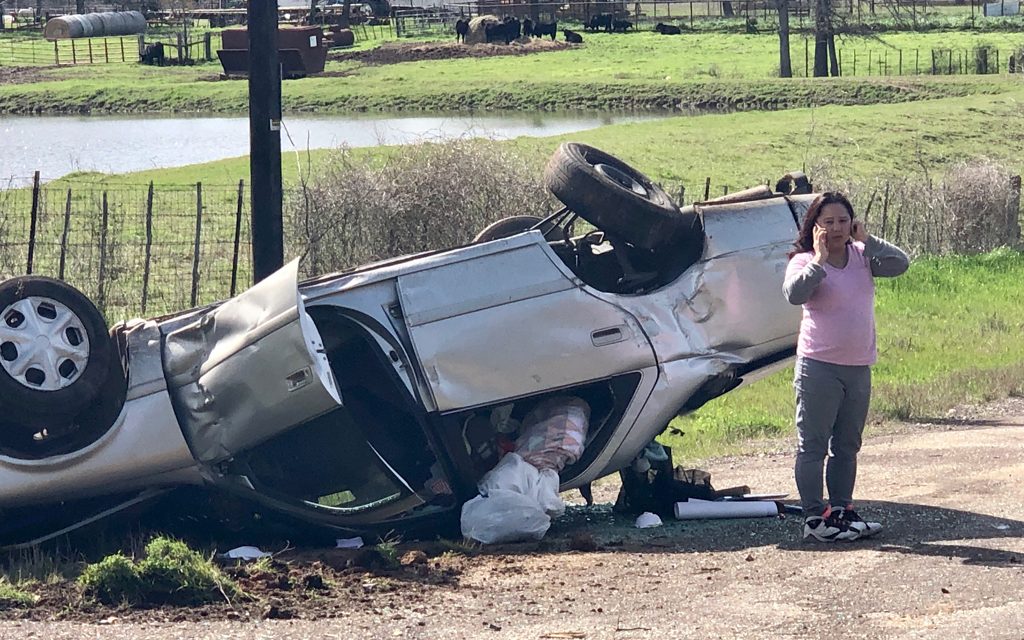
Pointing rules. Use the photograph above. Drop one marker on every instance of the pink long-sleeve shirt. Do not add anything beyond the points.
(838, 323)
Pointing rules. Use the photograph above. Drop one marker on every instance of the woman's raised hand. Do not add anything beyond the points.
(859, 231)
(820, 244)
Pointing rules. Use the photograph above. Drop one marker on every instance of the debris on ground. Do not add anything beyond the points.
(519, 497)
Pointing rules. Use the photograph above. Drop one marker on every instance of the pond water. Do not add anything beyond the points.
(55, 146)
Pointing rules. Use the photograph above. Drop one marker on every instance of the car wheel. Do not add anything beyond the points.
(507, 227)
(54, 351)
(611, 195)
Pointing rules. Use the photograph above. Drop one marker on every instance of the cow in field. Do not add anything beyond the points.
(667, 29)
(461, 29)
(600, 21)
(506, 32)
(527, 27)
(153, 54)
(572, 36)
(541, 29)
(621, 26)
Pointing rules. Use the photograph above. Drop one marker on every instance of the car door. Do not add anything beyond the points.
(246, 370)
(506, 319)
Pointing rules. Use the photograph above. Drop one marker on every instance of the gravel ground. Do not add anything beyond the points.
(949, 565)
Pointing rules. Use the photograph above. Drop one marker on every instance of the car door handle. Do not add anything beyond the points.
(609, 335)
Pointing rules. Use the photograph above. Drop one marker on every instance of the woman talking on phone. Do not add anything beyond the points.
(830, 273)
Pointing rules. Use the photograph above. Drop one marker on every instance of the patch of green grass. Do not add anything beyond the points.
(948, 334)
(170, 573)
(113, 579)
(11, 597)
(611, 71)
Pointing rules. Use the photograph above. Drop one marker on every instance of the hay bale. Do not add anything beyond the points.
(477, 26)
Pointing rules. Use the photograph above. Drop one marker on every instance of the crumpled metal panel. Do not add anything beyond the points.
(729, 306)
(553, 333)
(249, 369)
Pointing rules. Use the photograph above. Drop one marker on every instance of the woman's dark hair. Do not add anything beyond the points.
(805, 237)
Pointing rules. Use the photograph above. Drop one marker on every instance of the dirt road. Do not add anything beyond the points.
(949, 565)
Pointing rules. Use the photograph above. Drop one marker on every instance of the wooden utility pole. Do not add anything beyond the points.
(265, 139)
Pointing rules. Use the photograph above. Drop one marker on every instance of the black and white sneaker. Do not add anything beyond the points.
(863, 528)
(829, 527)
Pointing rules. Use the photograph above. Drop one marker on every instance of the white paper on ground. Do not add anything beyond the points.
(646, 520)
(246, 553)
(350, 543)
(707, 509)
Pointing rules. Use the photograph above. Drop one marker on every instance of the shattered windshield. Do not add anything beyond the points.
(330, 463)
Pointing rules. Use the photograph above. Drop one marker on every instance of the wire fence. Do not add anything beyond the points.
(136, 250)
(179, 48)
(145, 250)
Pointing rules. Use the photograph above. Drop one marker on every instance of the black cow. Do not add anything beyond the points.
(153, 54)
(527, 27)
(541, 29)
(461, 29)
(600, 21)
(572, 36)
(505, 32)
(667, 29)
(620, 26)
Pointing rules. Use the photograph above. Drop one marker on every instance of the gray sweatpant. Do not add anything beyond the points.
(831, 408)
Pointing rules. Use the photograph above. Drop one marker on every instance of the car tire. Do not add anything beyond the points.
(506, 227)
(38, 312)
(611, 195)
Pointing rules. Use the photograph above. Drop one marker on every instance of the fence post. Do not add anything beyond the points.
(56, 54)
(207, 42)
(707, 188)
(32, 223)
(64, 235)
(106, 51)
(682, 195)
(89, 41)
(238, 239)
(1013, 212)
(149, 247)
(101, 295)
(901, 62)
(121, 40)
(74, 52)
(195, 249)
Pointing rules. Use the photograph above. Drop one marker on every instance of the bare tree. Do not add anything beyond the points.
(785, 65)
(825, 59)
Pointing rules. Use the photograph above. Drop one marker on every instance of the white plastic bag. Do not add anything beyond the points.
(516, 502)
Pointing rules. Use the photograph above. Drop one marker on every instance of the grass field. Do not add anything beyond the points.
(946, 330)
(948, 334)
(741, 149)
(611, 71)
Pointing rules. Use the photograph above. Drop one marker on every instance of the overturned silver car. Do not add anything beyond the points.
(366, 400)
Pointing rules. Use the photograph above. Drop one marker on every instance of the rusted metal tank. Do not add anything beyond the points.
(95, 25)
(301, 50)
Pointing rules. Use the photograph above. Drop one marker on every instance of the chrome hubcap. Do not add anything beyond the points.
(43, 344)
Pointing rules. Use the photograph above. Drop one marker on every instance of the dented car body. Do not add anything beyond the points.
(362, 401)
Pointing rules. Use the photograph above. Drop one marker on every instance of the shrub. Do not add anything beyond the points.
(170, 573)
(970, 209)
(112, 580)
(354, 210)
